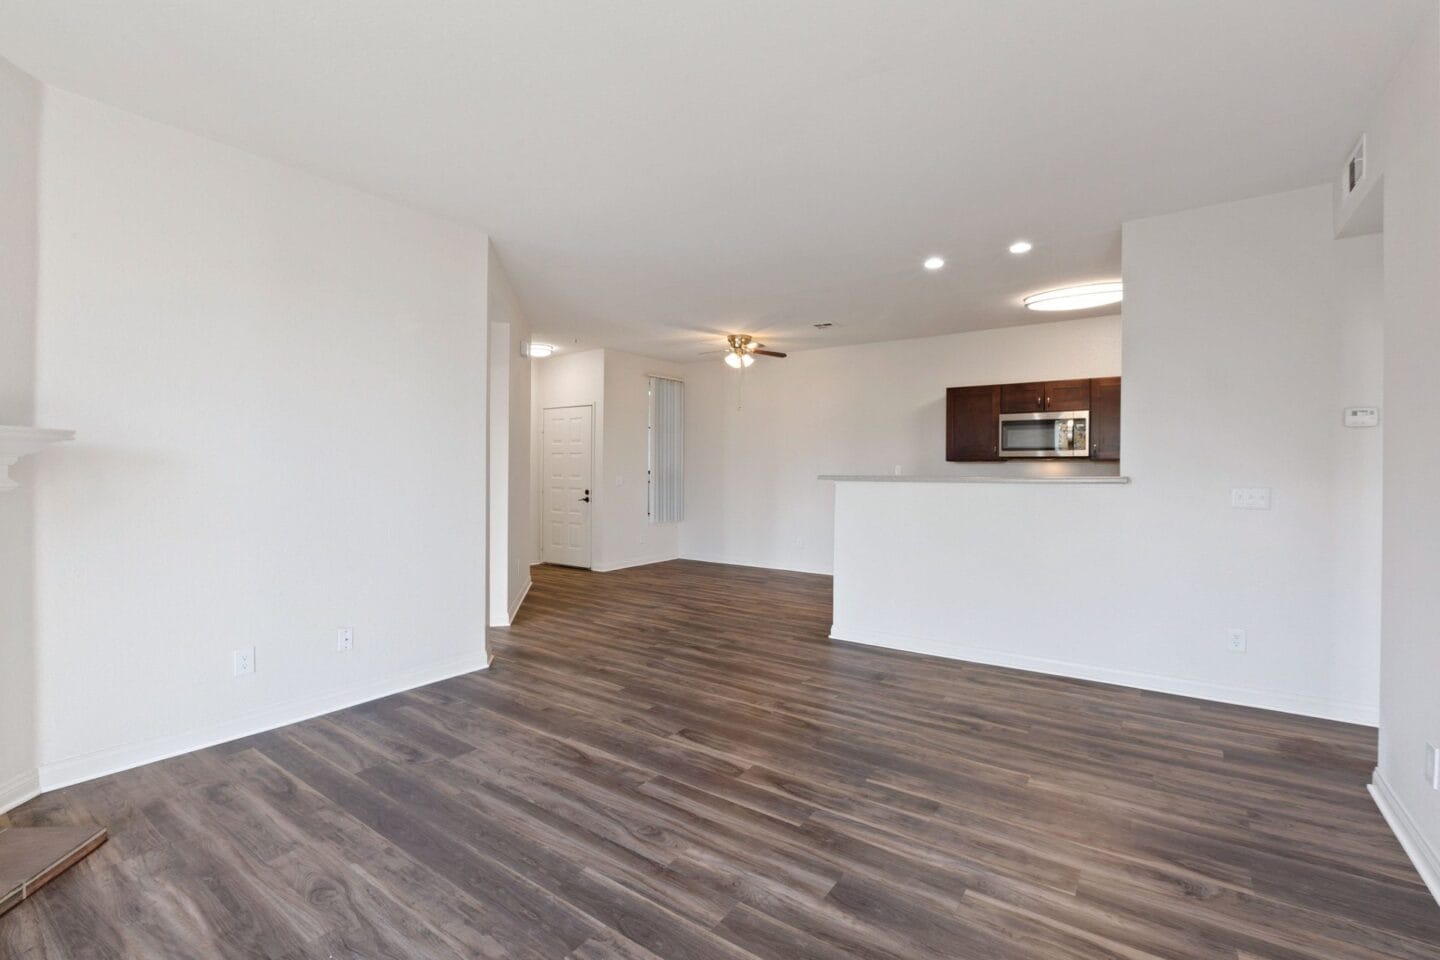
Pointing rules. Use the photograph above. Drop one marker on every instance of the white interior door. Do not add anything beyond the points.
(568, 432)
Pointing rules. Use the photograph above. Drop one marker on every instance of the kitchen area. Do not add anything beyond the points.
(1060, 419)
(994, 567)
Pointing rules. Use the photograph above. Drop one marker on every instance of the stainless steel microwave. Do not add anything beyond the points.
(1048, 434)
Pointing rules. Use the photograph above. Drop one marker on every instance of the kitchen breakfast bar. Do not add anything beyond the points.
(1026, 572)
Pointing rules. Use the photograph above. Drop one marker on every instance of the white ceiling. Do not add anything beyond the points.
(652, 171)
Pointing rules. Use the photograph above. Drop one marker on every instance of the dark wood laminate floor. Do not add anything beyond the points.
(652, 770)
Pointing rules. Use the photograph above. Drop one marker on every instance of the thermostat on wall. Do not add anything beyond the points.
(1362, 416)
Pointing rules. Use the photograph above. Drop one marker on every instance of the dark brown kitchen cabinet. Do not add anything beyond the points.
(972, 423)
(1067, 395)
(1053, 396)
(1022, 397)
(1105, 418)
(972, 414)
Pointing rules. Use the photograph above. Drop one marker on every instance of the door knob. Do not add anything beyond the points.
(584, 499)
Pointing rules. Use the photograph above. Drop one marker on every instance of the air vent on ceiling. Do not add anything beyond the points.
(823, 325)
(1355, 168)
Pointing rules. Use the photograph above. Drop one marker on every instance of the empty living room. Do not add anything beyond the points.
(793, 480)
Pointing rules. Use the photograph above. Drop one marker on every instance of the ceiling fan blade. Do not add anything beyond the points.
(769, 353)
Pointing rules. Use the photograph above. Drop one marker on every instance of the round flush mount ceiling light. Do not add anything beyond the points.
(539, 350)
(1021, 246)
(1081, 297)
(934, 263)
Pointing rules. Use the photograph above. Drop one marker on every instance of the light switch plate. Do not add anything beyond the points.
(1432, 766)
(1250, 498)
(1362, 416)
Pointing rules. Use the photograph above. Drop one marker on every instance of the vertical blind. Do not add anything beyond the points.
(667, 427)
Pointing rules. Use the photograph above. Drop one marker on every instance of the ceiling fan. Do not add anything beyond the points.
(744, 349)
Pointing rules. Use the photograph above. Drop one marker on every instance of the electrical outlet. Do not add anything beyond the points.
(1236, 638)
(345, 640)
(244, 661)
(1250, 498)
(1432, 766)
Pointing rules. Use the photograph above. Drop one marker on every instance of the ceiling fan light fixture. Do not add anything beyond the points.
(738, 360)
(1084, 296)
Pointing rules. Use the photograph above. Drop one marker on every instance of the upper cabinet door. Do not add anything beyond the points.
(972, 423)
(1067, 395)
(1022, 397)
(1105, 418)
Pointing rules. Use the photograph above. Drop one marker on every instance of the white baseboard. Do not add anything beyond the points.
(99, 763)
(1180, 686)
(637, 562)
(745, 562)
(518, 601)
(19, 788)
(1424, 856)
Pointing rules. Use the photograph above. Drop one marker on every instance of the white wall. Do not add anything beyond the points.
(1247, 329)
(616, 385)
(280, 386)
(497, 516)
(756, 441)
(1405, 134)
(511, 534)
(629, 538)
(20, 105)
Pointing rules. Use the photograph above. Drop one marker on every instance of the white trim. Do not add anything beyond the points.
(1424, 856)
(19, 788)
(100, 763)
(627, 564)
(1346, 712)
(517, 602)
(742, 562)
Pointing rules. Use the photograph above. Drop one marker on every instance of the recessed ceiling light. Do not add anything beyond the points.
(539, 350)
(1081, 297)
(1021, 246)
(934, 263)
